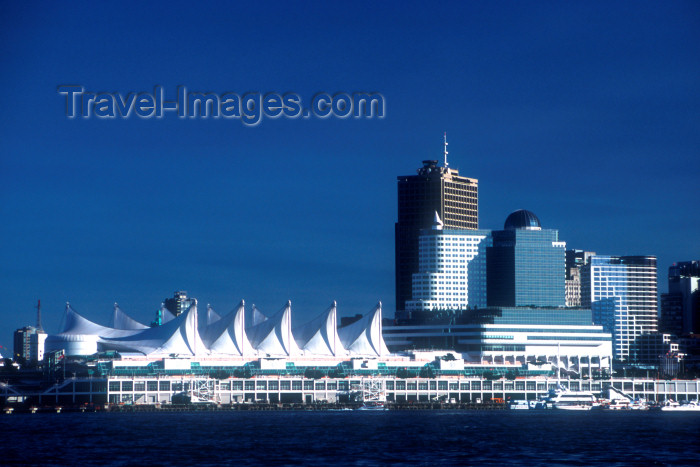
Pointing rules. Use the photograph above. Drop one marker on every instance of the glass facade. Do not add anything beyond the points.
(549, 316)
(621, 291)
(526, 268)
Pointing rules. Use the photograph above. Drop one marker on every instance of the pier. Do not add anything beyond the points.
(293, 392)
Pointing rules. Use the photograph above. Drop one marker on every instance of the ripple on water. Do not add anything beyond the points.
(352, 438)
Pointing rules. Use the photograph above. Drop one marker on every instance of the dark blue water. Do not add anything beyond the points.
(352, 438)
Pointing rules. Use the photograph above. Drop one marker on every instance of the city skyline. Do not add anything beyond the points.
(585, 115)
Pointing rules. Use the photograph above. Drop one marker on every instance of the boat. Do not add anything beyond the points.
(563, 399)
(519, 405)
(673, 406)
(639, 404)
(618, 404)
(538, 404)
(372, 405)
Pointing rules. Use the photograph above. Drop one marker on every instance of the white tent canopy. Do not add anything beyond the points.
(273, 336)
(179, 336)
(320, 336)
(212, 316)
(165, 314)
(364, 337)
(121, 320)
(258, 317)
(228, 335)
(188, 336)
(74, 323)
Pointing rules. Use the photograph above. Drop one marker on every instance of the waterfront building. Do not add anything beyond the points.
(671, 313)
(22, 344)
(525, 264)
(451, 269)
(680, 307)
(575, 260)
(227, 336)
(118, 383)
(513, 336)
(29, 345)
(649, 348)
(434, 189)
(179, 303)
(572, 285)
(621, 292)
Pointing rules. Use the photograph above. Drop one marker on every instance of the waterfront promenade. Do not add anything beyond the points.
(301, 391)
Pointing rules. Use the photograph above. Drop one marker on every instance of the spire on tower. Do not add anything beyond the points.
(38, 316)
(445, 141)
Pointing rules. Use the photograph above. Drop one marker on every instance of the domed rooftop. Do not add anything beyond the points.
(522, 219)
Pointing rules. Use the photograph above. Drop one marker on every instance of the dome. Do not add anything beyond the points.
(72, 344)
(522, 219)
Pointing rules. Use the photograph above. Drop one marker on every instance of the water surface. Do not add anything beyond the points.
(352, 438)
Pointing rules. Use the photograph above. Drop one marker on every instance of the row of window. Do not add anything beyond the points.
(482, 385)
(431, 385)
(139, 386)
(260, 385)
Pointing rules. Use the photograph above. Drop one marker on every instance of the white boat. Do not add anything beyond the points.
(673, 406)
(618, 404)
(563, 399)
(372, 405)
(519, 405)
(639, 404)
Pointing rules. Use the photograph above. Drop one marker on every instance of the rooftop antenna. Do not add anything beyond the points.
(38, 316)
(445, 140)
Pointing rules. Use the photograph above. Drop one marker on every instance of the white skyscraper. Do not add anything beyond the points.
(621, 291)
(451, 269)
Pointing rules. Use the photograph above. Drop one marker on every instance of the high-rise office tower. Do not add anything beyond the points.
(179, 303)
(434, 189)
(680, 307)
(526, 264)
(29, 345)
(451, 271)
(621, 292)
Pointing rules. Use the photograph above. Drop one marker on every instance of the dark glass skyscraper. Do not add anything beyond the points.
(680, 307)
(433, 189)
(526, 264)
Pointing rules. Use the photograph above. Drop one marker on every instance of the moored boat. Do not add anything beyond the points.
(618, 404)
(673, 406)
(519, 405)
(372, 405)
(571, 400)
(639, 404)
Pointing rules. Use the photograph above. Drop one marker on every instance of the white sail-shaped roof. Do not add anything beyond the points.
(212, 316)
(364, 337)
(74, 323)
(165, 314)
(178, 336)
(320, 335)
(258, 316)
(274, 335)
(228, 335)
(121, 320)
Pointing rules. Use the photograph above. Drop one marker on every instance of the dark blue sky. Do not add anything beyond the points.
(586, 113)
